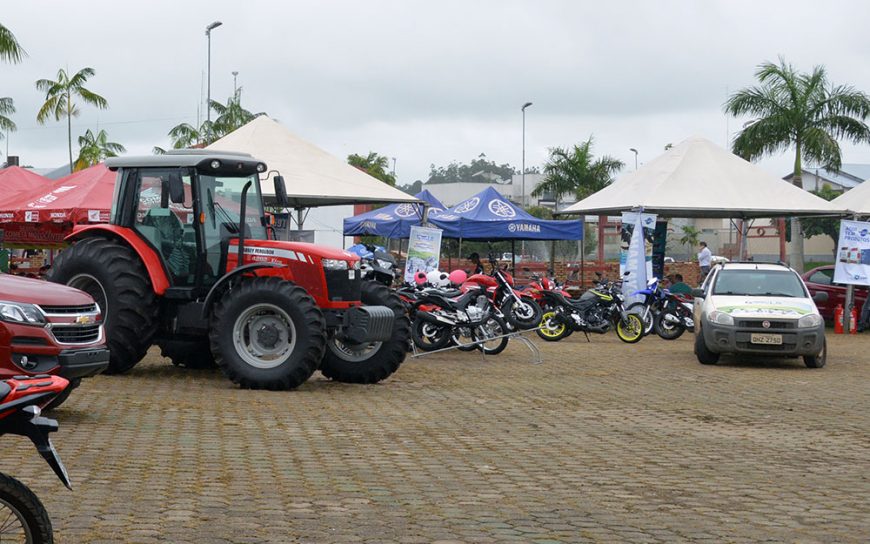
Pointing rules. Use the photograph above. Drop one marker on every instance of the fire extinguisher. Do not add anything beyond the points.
(838, 319)
(853, 321)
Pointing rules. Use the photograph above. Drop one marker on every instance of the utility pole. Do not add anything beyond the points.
(208, 30)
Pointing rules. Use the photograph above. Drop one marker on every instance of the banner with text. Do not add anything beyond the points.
(629, 219)
(424, 251)
(853, 253)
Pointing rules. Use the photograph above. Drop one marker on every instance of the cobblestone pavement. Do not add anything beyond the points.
(603, 442)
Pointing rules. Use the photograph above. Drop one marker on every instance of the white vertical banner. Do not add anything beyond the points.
(637, 265)
(853, 253)
(424, 251)
(629, 219)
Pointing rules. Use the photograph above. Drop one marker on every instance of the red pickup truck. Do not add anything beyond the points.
(46, 328)
(821, 279)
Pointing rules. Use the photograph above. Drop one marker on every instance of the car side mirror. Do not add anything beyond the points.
(820, 296)
(281, 191)
(698, 293)
(176, 189)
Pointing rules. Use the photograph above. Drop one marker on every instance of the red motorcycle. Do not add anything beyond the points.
(520, 310)
(21, 401)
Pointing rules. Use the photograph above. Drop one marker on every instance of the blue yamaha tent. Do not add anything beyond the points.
(490, 216)
(393, 221)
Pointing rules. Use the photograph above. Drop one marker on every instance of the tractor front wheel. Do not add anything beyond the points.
(375, 361)
(267, 333)
(116, 279)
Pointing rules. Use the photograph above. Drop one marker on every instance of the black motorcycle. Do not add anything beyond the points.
(467, 320)
(596, 311)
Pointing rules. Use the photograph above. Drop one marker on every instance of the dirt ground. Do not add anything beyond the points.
(602, 442)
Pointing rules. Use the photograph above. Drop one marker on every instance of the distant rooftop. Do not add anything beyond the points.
(849, 176)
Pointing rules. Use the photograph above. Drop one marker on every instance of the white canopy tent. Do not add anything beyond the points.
(697, 178)
(313, 177)
(856, 201)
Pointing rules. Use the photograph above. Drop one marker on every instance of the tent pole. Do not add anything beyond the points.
(744, 238)
(601, 220)
(514, 257)
(582, 255)
(781, 229)
(850, 301)
(460, 247)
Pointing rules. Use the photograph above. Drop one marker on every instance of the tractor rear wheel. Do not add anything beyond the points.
(114, 276)
(267, 333)
(375, 361)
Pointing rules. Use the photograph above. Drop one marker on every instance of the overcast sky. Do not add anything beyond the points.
(428, 82)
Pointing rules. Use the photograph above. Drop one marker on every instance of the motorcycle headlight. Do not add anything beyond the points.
(334, 264)
(20, 312)
(721, 318)
(807, 321)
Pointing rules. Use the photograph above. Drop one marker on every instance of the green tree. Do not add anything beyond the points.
(374, 165)
(59, 96)
(7, 108)
(576, 172)
(478, 170)
(10, 49)
(691, 238)
(800, 111)
(830, 226)
(231, 115)
(94, 149)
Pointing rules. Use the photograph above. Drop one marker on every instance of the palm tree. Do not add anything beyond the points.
(10, 49)
(803, 111)
(94, 149)
(576, 172)
(691, 238)
(374, 165)
(7, 108)
(59, 95)
(232, 115)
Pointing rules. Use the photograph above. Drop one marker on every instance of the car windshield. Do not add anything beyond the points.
(772, 283)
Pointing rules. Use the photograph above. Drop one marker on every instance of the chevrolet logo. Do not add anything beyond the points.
(85, 319)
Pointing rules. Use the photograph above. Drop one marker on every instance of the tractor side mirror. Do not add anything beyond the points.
(281, 191)
(176, 189)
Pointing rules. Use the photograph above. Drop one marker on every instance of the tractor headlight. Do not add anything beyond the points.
(808, 321)
(334, 264)
(721, 318)
(20, 312)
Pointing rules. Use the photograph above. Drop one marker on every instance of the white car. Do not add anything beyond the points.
(758, 309)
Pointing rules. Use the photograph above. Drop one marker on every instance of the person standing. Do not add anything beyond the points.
(704, 258)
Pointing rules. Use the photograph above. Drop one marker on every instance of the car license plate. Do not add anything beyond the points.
(770, 339)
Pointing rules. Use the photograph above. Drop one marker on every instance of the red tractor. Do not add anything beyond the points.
(165, 270)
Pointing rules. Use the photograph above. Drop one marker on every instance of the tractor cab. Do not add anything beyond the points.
(189, 206)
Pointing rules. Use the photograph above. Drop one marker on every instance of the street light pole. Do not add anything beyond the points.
(208, 30)
(394, 166)
(235, 87)
(523, 109)
(635, 157)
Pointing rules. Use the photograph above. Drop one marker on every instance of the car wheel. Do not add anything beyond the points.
(818, 360)
(703, 353)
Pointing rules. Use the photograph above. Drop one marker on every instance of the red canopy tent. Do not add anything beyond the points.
(43, 217)
(15, 181)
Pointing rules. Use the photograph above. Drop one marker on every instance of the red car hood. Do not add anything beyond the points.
(18, 289)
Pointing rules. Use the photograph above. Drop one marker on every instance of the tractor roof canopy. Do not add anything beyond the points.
(216, 163)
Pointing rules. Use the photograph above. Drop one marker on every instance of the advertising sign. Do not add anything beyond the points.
(424, 251)
(853, 253)
(629, 219)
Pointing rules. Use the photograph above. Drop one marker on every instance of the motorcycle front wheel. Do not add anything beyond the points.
(630, 329)
(648, 319)
(26, 518)
(667, 329)
(523, 313)
(552, 329)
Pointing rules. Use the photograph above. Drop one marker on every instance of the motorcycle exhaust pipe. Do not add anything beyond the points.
(436, 319)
